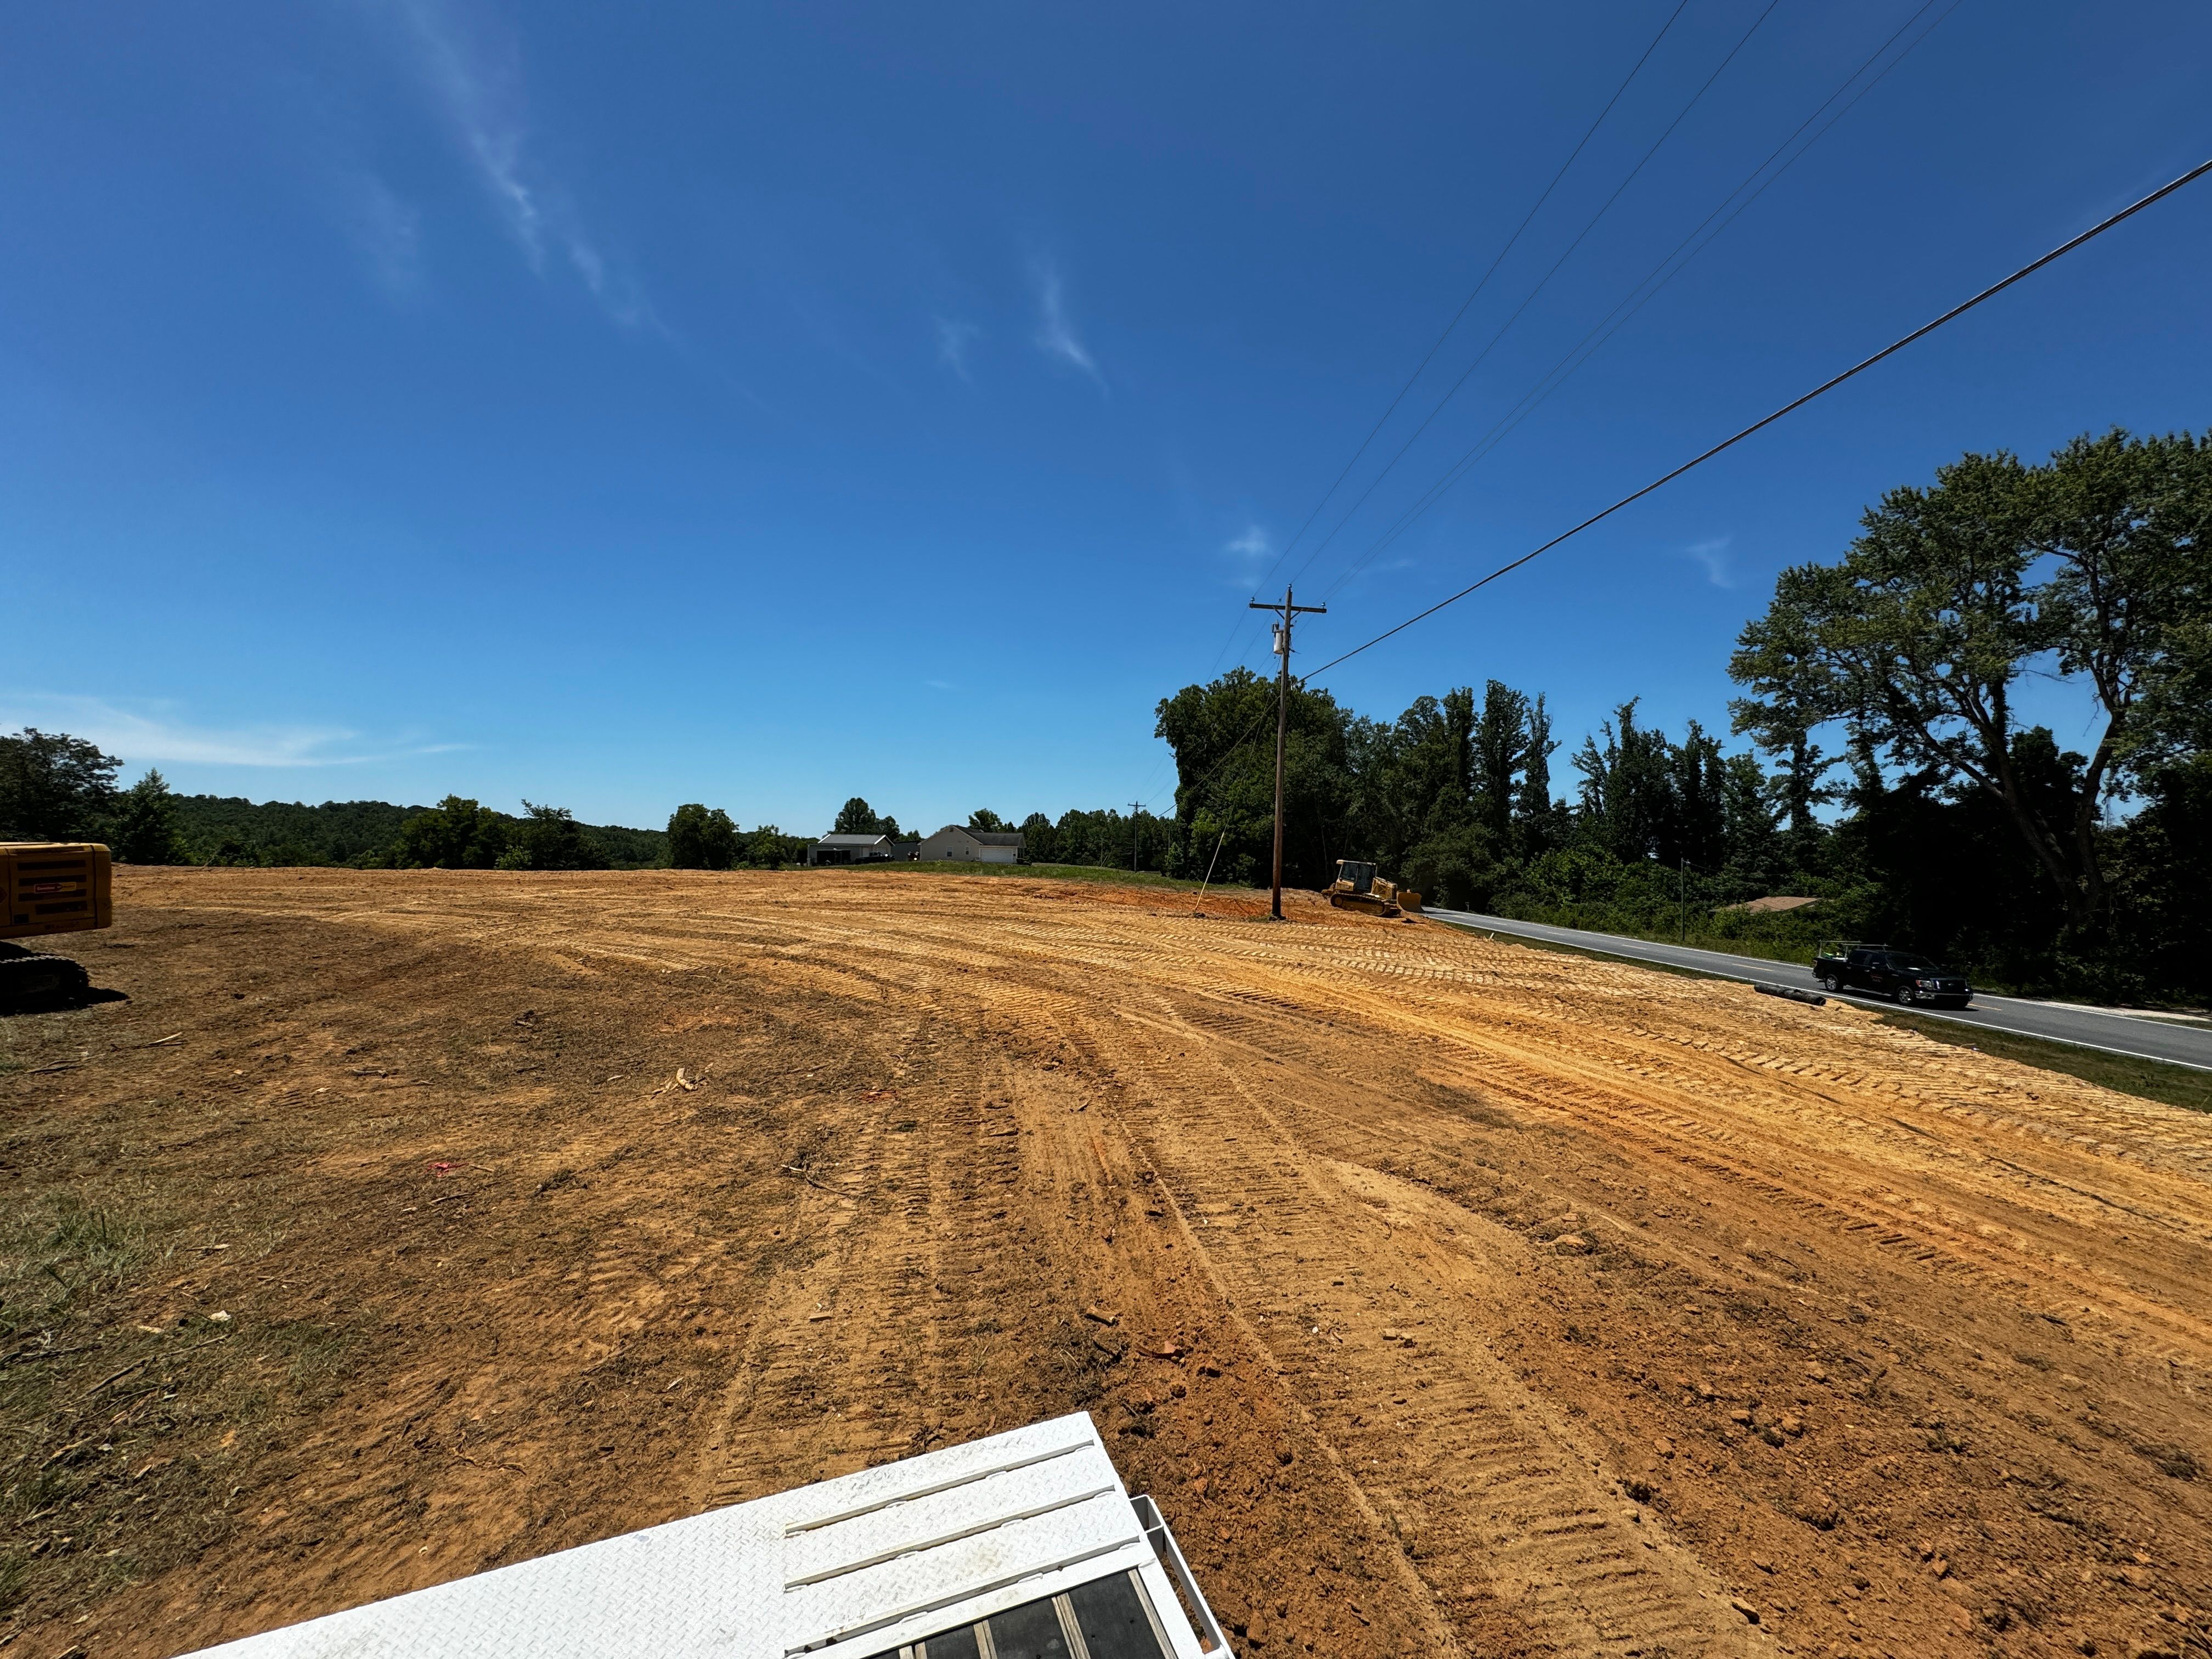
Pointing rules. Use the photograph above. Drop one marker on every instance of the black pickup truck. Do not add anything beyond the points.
(1900, 975)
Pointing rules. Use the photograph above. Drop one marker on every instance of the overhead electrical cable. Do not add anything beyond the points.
(1541, 283)
(1659, 275)
(1243, 625)
(1476, 292)
(1265, 717)
(1419, 369)
(1794, 403)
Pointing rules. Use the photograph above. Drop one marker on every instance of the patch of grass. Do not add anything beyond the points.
(2150, 1079)
(68, 1247)
(123, 1431)
(312, 1355)
(1073, 1369)
(1038, 872)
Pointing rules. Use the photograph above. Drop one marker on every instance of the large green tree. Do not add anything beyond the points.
(143, 829)
(701, 839)
(2087, 568)
(1223, 735)
(54, 787)
(550, 838)
(457, 834)
(857, 818)
(1502, 745)
(2126, 524)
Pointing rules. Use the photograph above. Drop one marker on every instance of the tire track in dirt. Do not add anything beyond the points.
(1363, 1121)
(851, 1339)
(1508, 1521)
(1825, 1350)
(1679, 1124)
(2052, 1277)
(1333, 1529)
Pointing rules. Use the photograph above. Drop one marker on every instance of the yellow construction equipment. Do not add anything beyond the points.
(1357, 887)
(49, 887)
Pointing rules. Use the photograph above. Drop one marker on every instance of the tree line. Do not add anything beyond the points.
(1103, 839)
(54, 787)
(1889, 773)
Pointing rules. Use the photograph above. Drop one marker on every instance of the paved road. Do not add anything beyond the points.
(2146, 1039)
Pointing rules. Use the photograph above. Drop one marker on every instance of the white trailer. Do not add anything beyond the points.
(1023, 1545)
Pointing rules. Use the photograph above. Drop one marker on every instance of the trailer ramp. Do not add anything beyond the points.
(1022, 1545)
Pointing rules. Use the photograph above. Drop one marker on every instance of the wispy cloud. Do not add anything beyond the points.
(1252, 545)
(154, 732)
(388, 231)
(953, 339)
(1713, 555)
(477, 80)
(1056, 336)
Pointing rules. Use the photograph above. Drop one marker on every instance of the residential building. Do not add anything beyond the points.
(854, 849)
(974, 845)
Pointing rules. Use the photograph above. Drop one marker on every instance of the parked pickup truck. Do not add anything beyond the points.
(1900, 975)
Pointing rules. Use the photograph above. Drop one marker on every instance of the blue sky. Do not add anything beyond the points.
(622, 406)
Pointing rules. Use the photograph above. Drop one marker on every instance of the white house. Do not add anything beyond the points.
(976, 846)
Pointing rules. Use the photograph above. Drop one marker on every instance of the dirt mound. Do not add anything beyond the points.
(1451, 1297)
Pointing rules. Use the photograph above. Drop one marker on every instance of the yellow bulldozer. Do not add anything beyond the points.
(1357, 887)
(49, 887)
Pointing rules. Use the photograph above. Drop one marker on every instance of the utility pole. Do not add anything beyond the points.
(1135, 807)
(1685, 897)
(1287, 611)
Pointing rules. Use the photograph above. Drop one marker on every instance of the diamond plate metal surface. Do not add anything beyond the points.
(841, 1569)
(932, 1579)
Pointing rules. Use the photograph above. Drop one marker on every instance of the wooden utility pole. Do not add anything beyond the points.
(1286, 611)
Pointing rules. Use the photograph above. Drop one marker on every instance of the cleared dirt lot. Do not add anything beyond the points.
(1464, 1298)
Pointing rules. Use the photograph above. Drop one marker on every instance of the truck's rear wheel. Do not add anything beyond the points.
(1831, 984)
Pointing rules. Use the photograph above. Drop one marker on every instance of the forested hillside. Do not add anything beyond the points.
(54, 787)
(231, 830)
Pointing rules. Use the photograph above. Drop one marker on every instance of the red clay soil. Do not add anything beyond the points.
(1452, 1297)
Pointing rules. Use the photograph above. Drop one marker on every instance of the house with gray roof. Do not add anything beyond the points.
(974, 846)
(856, 849)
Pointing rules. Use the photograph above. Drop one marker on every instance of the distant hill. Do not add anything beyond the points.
(239, 830)
(230, 829)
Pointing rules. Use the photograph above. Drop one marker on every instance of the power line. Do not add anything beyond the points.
(1957, 310)
(1233, 749)
(1543, 390)
(1541, 283)
(1631, 303)
(1472, 294)
(1421, 367)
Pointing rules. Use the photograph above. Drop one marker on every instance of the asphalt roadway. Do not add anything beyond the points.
(2088, 1028)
